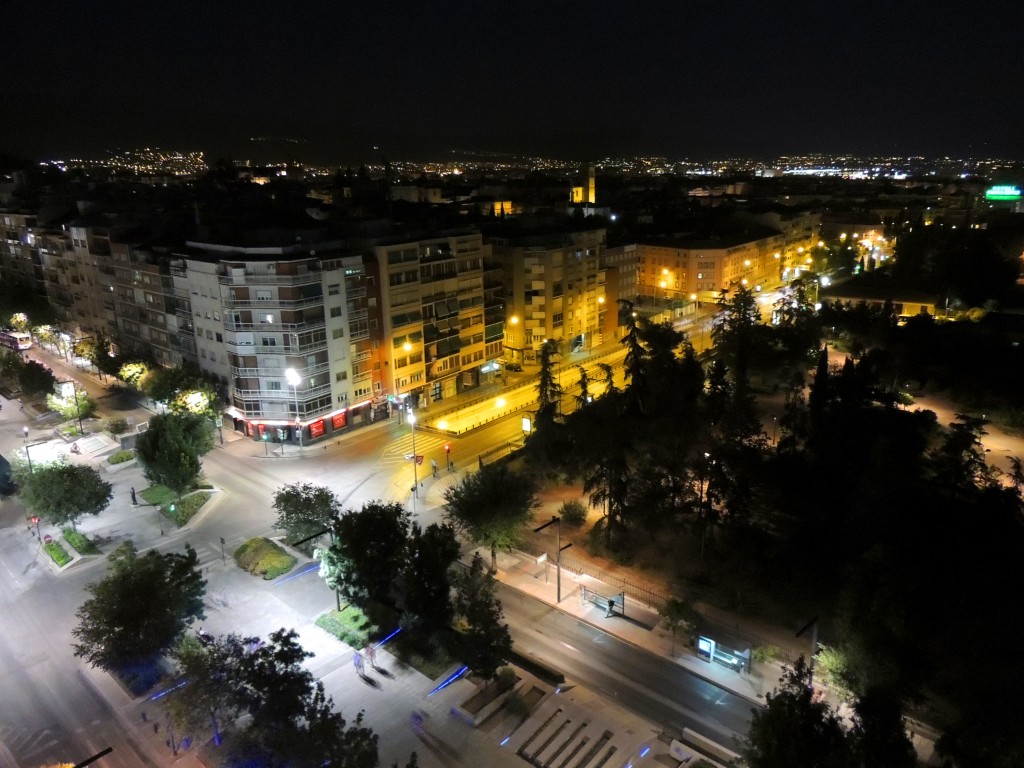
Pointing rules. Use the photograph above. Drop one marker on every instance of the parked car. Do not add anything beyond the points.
(514, 367)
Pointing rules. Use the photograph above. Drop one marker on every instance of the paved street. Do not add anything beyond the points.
(56, 709)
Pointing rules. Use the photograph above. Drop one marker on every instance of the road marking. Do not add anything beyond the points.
(571, 648)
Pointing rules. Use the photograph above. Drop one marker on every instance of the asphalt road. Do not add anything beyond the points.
(657, 690)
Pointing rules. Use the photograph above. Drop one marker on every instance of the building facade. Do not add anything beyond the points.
(554, 289)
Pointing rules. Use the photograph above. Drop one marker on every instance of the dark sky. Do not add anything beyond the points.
(685, 78)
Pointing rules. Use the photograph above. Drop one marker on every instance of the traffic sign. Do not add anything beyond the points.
(419, 458)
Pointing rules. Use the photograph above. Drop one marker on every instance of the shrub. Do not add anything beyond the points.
(57, 553)
(79, 542)
(117, 425)
(506, 678)
(516, 705)
(185, 509)
(350, 625)
(120, 457)
(264, 557)
(573, 513)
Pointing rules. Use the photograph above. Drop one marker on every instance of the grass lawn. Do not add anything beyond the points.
(350, 625)
(158, 495)
(185, 509)
(263, 557)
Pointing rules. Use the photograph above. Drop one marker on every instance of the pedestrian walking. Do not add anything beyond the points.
(357, 662)
(135, 501)
(371, 654)
(433, 467)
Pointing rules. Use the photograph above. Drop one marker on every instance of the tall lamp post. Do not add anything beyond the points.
(411, 418)
(24, 433)
(557, 522)
(293, 379)
(73, 392)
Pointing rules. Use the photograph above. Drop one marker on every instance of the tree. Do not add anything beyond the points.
(491, 506)
(170, 450)
(584, 396)
(19, 321)
(304, 509)
(184, 389)
(61, 493)
(77, 405)
(293, 720)
(678, 614)
(34, 379)
(101, 355)
(426, 579)
(549, 391)
(880, 733)
(793, 729)
(485, 642)
(367, 554)
(138, 611)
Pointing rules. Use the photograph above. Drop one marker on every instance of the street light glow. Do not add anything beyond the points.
(293, 377)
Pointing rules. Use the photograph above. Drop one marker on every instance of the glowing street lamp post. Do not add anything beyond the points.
(293, 379)
(411, 418)
(67, 390)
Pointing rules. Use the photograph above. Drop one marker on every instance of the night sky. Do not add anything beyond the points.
(567, 79)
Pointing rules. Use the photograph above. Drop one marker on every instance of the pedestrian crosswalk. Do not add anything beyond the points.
(427, 445)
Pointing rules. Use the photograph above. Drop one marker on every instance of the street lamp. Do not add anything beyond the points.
(24, 433)
(411, 418)
(293, 379)
(557, 522)
(74, 393)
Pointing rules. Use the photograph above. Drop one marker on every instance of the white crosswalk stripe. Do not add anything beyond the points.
(428, 446)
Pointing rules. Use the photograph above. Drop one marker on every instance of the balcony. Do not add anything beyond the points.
(285, 394)
(230, 325)
(264, 372)
(269, 278)
(256, 348)
(310, 301)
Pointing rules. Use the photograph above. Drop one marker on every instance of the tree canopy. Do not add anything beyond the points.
(170, 451)
(140, 608)
(485, 643)
(293, 720)
(61, 493)
(304, 509)
(491, 506)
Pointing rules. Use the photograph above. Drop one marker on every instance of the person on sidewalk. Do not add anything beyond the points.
(135, 501)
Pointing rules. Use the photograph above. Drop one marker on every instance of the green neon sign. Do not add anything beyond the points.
(1003, 192)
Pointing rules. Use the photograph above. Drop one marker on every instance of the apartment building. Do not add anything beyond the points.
(286, 327)
(441, 320)
(699, 269)
(19, 253)
(554, 289)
